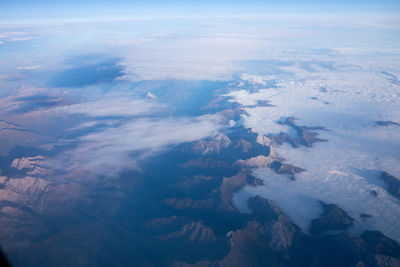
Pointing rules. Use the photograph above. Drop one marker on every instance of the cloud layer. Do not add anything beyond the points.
(347, 101)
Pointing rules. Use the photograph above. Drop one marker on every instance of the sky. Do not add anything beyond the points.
(47, 10)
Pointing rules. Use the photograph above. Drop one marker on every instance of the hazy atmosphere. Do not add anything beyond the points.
(212, 133)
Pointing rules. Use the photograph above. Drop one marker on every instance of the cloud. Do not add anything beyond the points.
(126, 146)
(353, 100)
(121, 132)
(200, 57)
(33, 67)
(16, 36)
(17, 39)
(29, 98)
(114, 106)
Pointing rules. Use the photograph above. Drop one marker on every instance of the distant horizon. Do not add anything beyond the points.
(23, 11)
(296, 18)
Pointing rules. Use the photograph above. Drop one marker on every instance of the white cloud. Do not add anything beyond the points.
(114, 106)
(33, 67)
(21, 39)
(126, 146)
(337, 170)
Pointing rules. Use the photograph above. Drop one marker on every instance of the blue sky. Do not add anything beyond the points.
(40, 10)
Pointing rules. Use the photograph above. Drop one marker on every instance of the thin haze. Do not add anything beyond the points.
(14, 11)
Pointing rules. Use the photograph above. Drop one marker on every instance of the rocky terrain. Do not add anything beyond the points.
(387, 123)
(179, 212)
(305, 136)
(392, 183)
(177, 208)
(332, 218)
